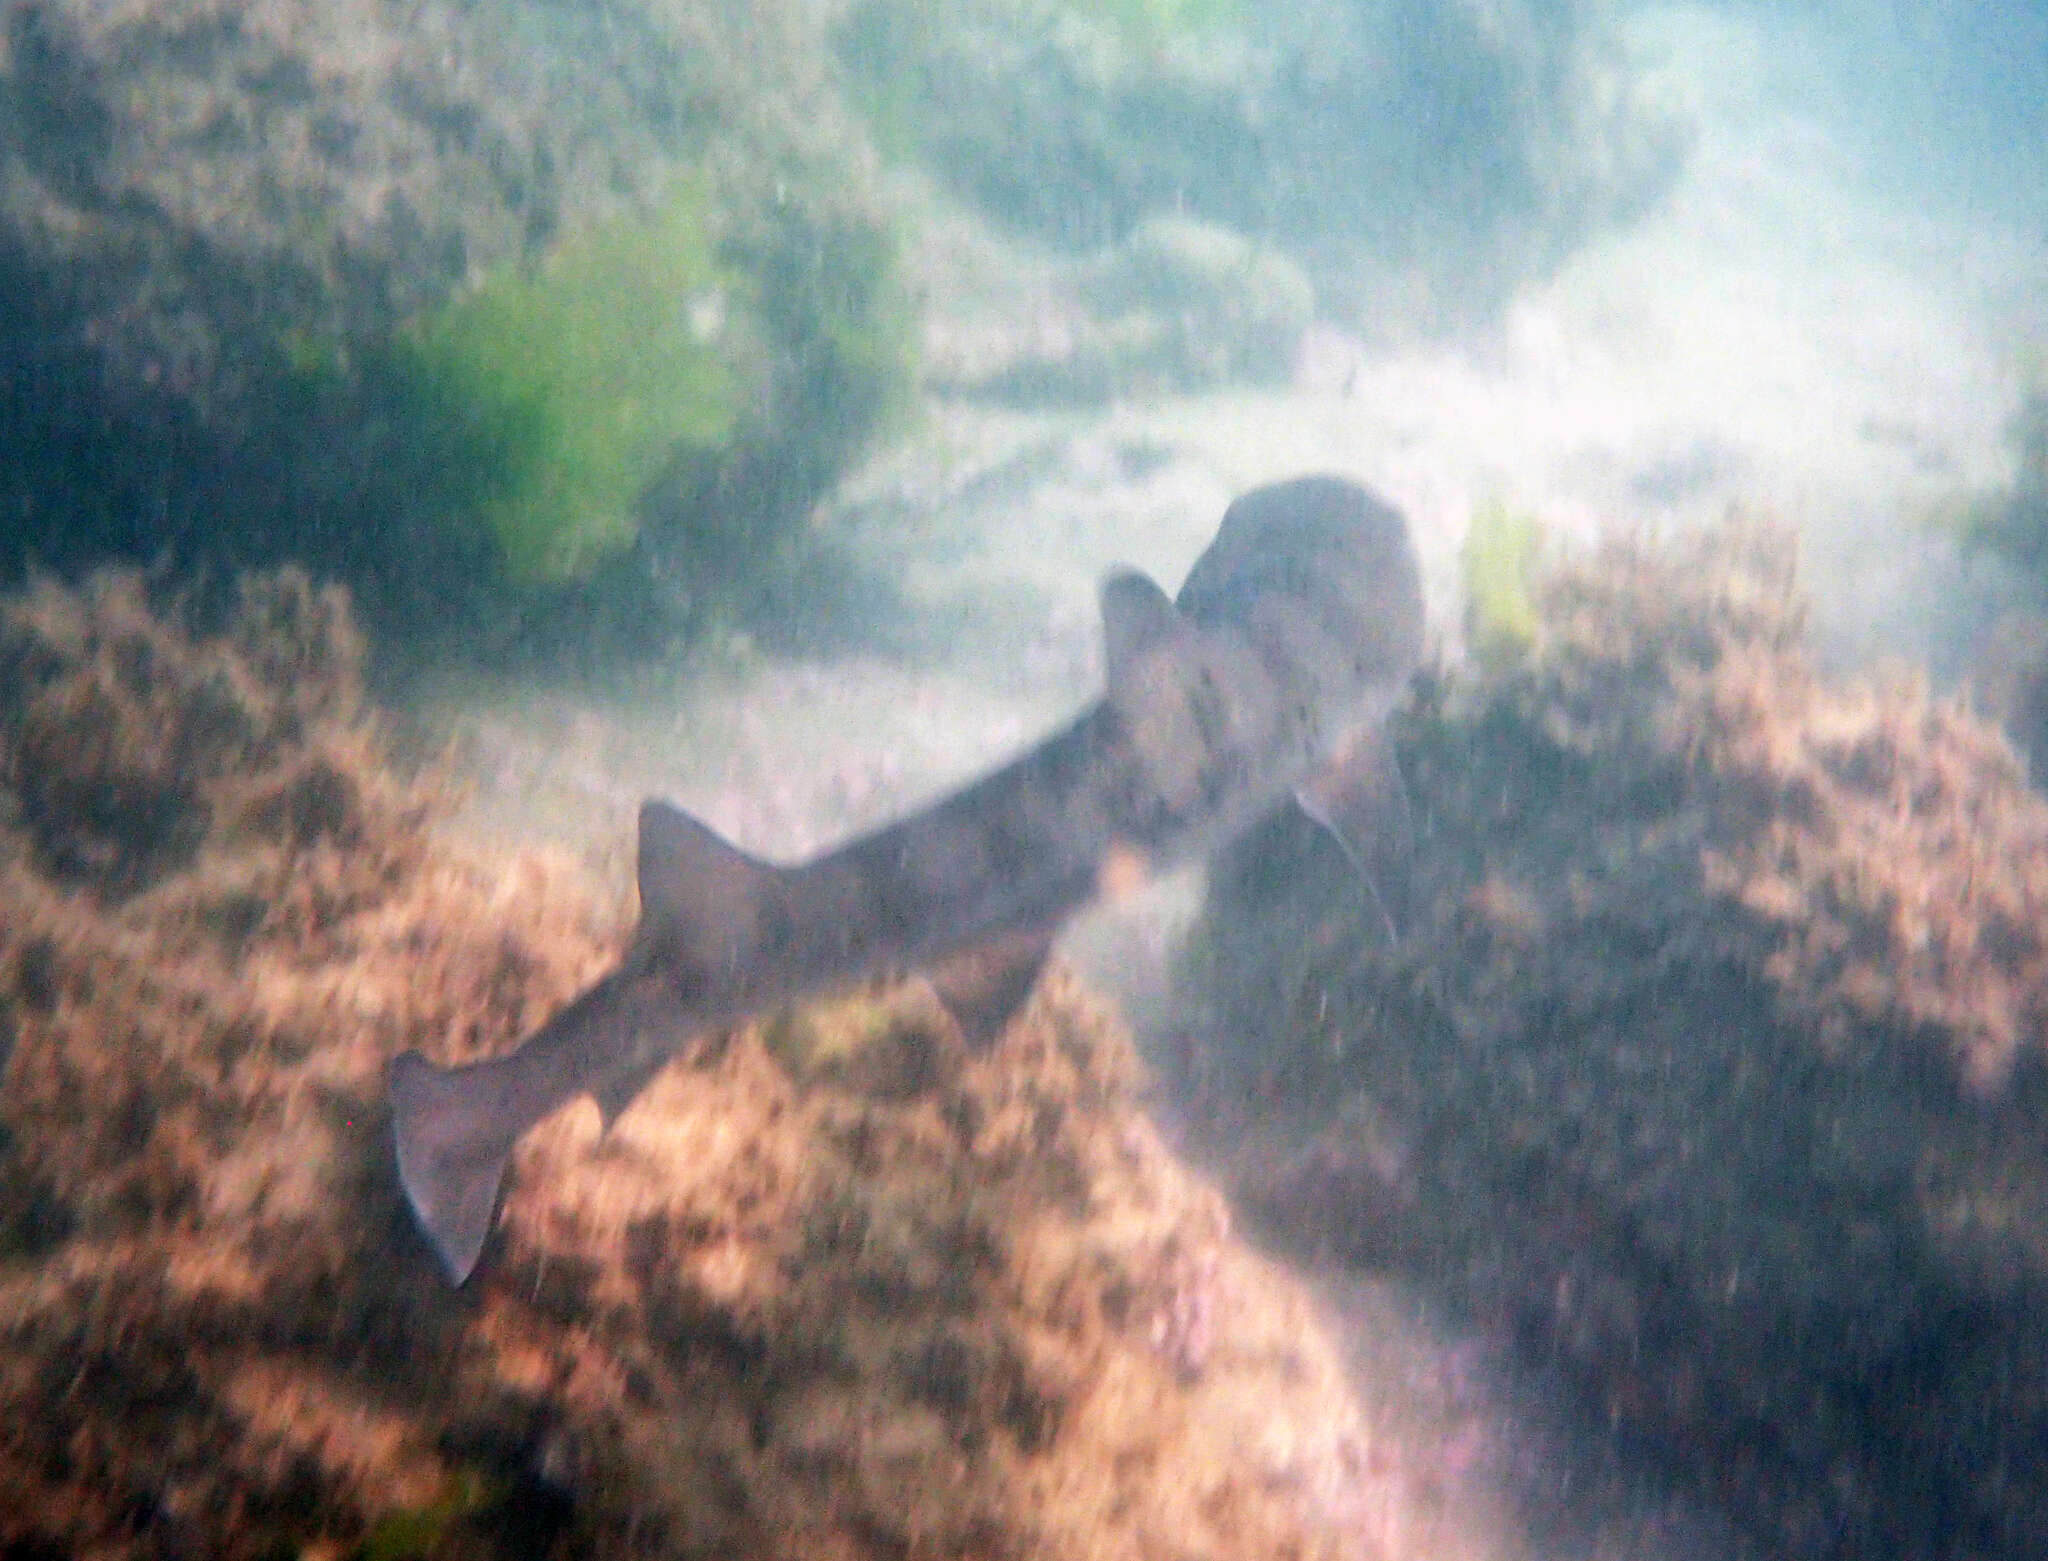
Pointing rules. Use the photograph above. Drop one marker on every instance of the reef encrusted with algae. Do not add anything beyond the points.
(831, 1288)
(1712, 1071)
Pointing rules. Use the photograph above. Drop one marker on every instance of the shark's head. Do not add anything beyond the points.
(1320, 578)
(1293, 635)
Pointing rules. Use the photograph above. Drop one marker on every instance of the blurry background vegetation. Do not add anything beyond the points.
(546, 327)
(2016, 522)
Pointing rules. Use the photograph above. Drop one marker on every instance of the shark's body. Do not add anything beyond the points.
(1268, 677)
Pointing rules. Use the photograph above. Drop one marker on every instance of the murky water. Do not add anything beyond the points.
(1828, 319)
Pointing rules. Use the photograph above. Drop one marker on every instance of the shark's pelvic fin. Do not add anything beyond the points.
(451, 1158)
(615, 1093)
(704, 898)
(1359, 798)
(984, 988)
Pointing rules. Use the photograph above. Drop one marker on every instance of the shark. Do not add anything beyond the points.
(1264, 683)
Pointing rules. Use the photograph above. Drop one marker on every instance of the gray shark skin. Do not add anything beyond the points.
(1268, 677)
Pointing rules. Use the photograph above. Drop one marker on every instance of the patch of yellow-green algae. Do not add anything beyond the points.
(833, 1287)
(1498, 563)
(590, 374)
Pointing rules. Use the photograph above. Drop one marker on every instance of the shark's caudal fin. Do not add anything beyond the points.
(454, 1128)
(452, 1148)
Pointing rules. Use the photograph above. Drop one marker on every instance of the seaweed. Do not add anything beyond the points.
(834, 1288)
(1711, 1073)
(1498, 563)
(582, 381)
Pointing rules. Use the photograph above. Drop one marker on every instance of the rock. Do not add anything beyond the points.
(1442, 153)
(832, 1287)
(1200, 305)
(1713, 1077)
(299, 282)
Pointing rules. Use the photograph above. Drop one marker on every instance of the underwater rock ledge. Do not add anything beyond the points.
(832, 1288)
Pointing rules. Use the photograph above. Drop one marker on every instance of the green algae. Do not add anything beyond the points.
(652, 378)
(664, 397)
(1497, 564)
(585, 379)
(422, 1532)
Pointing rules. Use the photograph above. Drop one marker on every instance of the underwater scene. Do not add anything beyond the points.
(1019, 780)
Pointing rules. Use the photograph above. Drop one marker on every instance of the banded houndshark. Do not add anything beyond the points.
(1264, 683)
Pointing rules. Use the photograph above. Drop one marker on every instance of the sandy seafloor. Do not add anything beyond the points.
(1810, 326)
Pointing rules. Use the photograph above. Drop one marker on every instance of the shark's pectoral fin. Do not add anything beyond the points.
(984, 988)
(1359, 798)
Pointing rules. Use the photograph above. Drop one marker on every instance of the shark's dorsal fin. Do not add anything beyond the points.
(705, 900)
(1136, 617)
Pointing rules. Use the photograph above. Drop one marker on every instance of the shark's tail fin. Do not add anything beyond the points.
(452, 1148)
(454, 1128)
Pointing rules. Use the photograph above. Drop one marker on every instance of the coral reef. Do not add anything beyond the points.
(1712, 1074)
(831, 1288)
